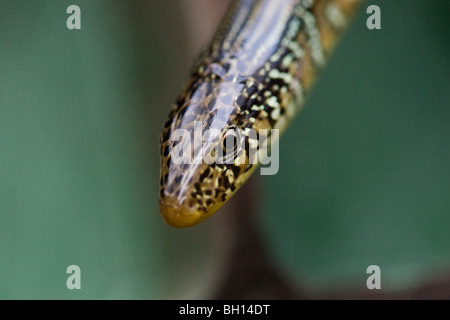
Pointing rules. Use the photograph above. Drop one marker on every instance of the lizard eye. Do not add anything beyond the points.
(230, 141)
(230, 144)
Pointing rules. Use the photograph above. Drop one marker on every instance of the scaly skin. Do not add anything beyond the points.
(255, 74)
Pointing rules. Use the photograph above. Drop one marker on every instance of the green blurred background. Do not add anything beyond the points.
(364, 172)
